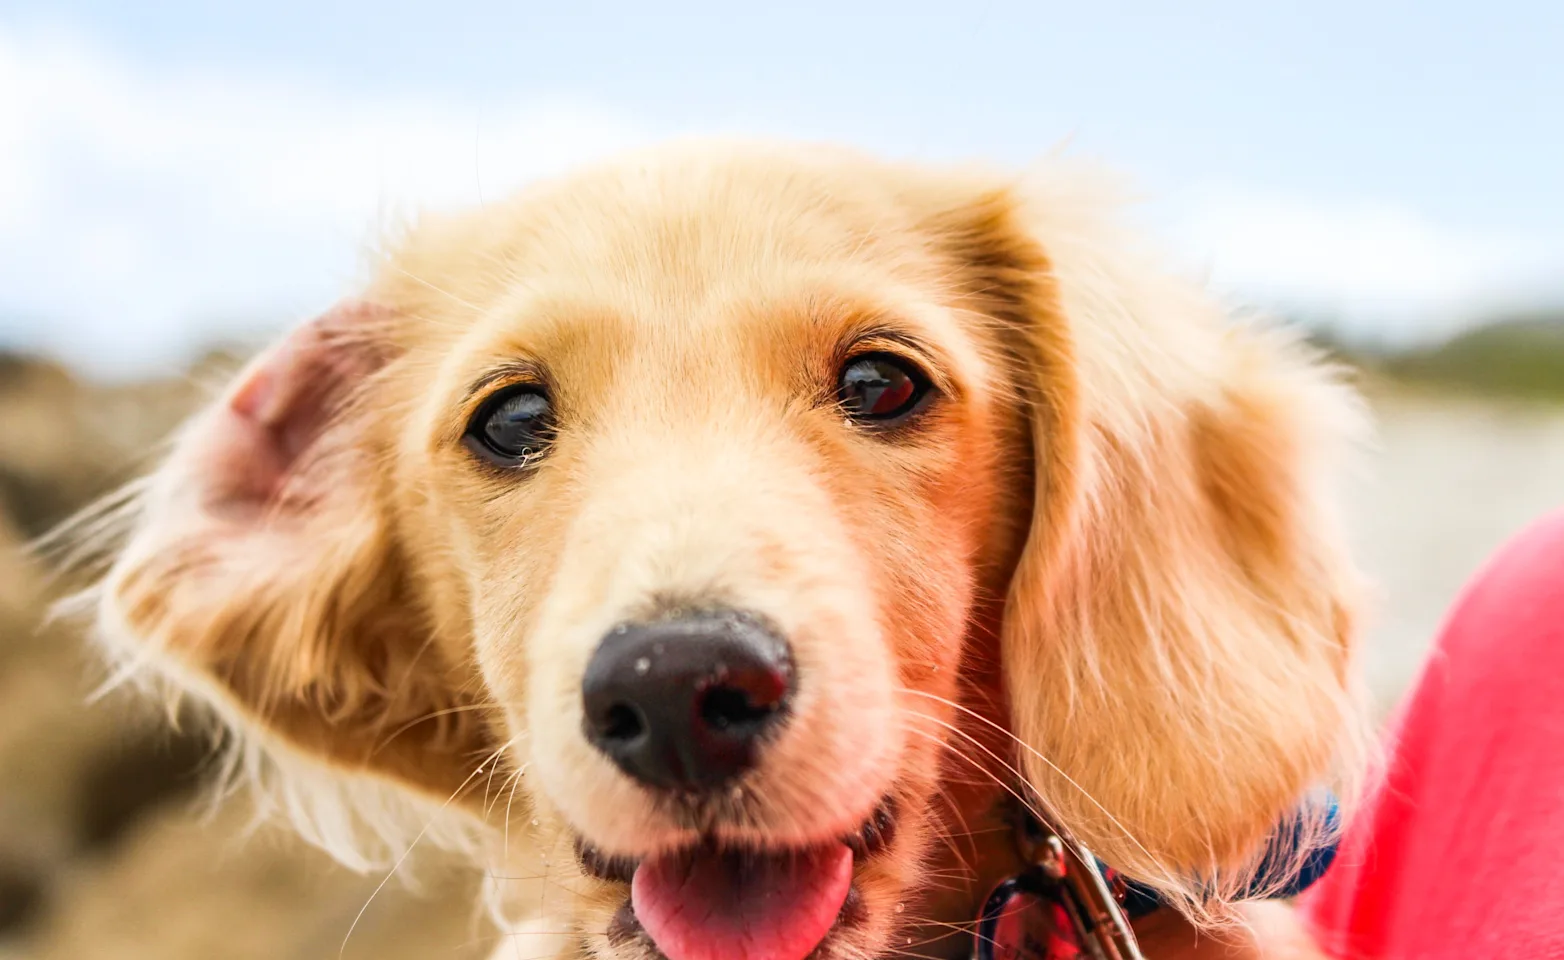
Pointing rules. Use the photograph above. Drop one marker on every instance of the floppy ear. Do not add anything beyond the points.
(263, 571)
(1179, 626)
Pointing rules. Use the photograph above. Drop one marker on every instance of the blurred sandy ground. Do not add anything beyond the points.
(103, 858)
(1452, 480)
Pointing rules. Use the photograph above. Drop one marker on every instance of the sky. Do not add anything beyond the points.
(180, 173)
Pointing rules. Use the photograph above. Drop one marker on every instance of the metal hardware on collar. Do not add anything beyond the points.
(1067, 904)
(1061, 907)
(1053, 862)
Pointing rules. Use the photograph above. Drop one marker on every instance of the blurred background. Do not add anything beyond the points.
(180, 180)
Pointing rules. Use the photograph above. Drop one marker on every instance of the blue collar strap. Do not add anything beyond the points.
(1286, 870)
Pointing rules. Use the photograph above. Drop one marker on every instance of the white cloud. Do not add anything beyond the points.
(1375, 268)
(144, 210)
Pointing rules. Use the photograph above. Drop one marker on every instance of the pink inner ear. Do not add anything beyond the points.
(253, 444)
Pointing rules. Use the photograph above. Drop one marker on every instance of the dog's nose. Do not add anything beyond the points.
(684, 703)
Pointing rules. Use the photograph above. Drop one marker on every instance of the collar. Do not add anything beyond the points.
(1068, 904)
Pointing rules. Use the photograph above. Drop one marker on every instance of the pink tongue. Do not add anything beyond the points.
(708, 905)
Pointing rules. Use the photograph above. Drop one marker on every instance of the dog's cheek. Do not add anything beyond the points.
(557, 909)
(531, 654)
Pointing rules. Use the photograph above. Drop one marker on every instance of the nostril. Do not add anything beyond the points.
(733, 711)
(623, 723)
(687, 702)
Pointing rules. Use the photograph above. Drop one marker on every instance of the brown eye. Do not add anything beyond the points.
(881, 388)
(513, 427)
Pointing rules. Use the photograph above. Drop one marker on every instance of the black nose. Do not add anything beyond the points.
(683, 704)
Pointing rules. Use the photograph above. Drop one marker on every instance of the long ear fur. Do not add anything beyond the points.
(261, 574)
(1179, 627)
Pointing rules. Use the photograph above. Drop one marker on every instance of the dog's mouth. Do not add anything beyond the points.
(707, 902)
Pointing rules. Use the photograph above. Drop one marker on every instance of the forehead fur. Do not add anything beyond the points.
(672, 226)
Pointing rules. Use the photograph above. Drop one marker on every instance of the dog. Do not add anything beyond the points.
(719, 543)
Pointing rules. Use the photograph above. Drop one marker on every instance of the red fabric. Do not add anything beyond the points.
(1460, 852)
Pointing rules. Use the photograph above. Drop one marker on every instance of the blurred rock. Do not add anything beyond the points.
(21, 896)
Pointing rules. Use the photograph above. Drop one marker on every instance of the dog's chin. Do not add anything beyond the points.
(714, 899)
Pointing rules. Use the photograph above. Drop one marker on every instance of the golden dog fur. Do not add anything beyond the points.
(1102, 563)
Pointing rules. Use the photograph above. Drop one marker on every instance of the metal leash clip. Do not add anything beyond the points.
(1061, 907)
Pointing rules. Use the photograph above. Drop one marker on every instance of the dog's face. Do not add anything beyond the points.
(742, 509)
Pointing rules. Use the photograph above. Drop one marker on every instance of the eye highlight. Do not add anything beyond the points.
(513, 427)
(881, 388)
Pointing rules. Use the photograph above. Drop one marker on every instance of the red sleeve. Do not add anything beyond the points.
(1456, 853)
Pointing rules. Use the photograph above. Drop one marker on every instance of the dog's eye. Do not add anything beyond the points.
(881, 388)
(513, 427)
